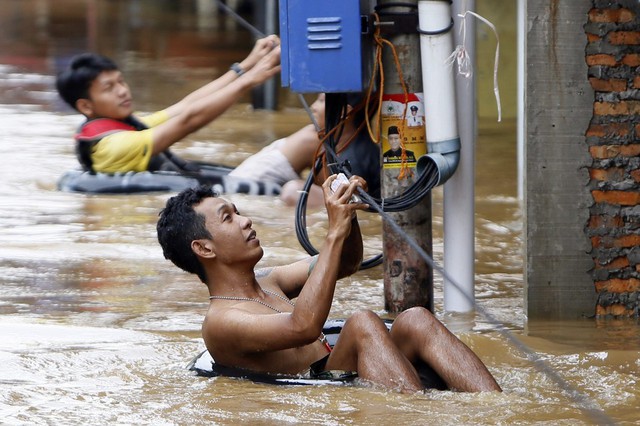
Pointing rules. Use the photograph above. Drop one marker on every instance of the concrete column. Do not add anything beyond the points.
(558, 108)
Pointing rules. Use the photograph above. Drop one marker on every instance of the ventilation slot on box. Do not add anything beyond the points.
(324, 33)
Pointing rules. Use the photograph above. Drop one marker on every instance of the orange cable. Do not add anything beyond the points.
(378, 67)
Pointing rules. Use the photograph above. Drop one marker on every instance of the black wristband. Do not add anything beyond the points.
(237, 68)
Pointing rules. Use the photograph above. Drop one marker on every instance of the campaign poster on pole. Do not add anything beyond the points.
(403, 130)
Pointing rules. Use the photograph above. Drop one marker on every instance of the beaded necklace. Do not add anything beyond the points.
(322, 338)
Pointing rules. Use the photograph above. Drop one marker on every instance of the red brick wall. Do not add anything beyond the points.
(613, 137)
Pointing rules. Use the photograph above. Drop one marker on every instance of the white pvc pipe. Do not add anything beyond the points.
(441, 122)
(459, 191)
(437, 78)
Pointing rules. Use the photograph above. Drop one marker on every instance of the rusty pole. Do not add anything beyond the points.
(408, 280)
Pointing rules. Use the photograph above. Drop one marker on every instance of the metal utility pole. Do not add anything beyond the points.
(408, 280)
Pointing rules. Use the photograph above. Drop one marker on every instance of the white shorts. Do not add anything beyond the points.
(269, 164)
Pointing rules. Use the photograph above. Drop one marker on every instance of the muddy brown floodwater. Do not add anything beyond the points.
(97, 327)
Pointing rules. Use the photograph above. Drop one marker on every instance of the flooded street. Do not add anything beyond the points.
(96, 327)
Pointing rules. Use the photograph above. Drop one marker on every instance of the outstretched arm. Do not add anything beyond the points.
(205, 105)
(261, 48)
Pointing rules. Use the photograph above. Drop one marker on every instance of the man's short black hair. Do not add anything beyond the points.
(179, 224)
(73, 83)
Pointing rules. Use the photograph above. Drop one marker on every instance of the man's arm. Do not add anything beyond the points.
(288, 278)
(304, 324)
(261, 48)
(343, 243)
(291, 278)
(300, 148)
(204, 108)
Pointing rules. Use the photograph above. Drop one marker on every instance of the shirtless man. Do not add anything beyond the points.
(252, 324)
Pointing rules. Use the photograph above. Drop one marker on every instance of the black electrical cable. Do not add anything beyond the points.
(301, 226)
(335, 115)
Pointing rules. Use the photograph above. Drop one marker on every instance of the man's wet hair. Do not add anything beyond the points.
(73, 83)
(179, 224)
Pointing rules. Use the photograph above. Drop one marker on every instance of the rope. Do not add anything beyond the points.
(461, 56)
(306, 107)
(240, 20)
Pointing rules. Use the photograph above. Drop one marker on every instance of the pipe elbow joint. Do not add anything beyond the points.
(443, 157)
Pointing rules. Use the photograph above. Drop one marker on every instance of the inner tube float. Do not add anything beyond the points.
(204, 365)
(164, 181)
(166, 170)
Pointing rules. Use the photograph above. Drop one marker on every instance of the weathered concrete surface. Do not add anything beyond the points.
(558, 106)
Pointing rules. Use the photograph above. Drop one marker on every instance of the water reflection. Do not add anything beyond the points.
(97, 326)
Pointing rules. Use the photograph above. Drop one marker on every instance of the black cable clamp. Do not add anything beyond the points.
(436, 32)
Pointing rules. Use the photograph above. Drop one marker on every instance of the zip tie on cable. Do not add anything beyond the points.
(436, 32)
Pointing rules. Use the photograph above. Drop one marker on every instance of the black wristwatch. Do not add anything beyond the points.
(237, 68)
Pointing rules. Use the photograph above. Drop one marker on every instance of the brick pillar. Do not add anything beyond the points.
(613, 137)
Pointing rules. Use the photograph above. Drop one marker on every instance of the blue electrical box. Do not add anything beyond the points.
(322, 45)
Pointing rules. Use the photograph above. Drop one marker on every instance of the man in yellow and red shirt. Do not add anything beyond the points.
(114, 140)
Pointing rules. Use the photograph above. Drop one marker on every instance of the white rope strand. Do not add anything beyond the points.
(461, 56)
